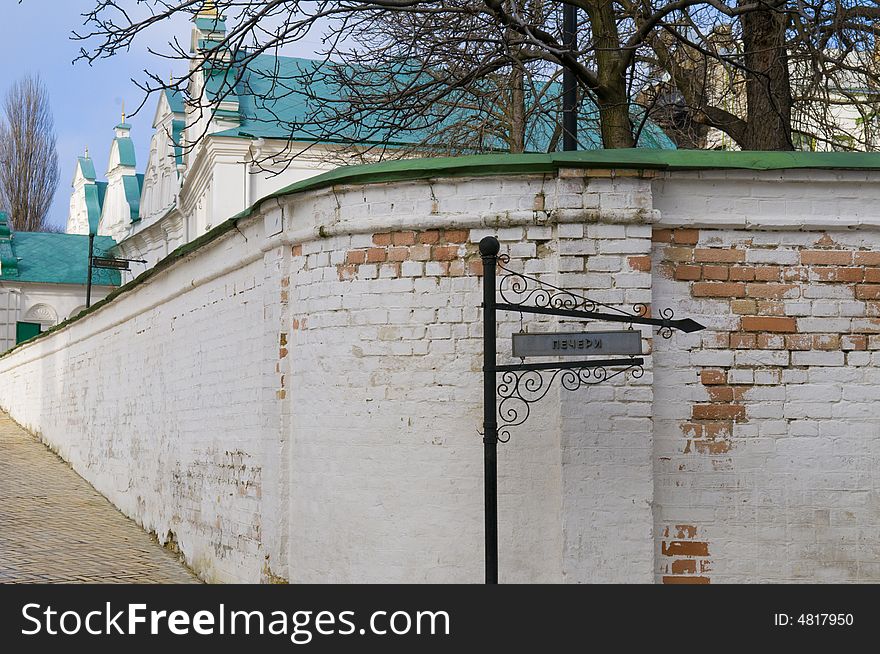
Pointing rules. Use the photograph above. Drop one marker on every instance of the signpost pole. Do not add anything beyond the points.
(489, 248)
(89, 283)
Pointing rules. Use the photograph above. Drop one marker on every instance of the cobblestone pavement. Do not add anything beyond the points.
(56, 528)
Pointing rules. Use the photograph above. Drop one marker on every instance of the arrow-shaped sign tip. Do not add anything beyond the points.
(689, 326)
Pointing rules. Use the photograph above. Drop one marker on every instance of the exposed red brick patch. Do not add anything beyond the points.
(382, 239)
(687, 273)
(347, 271)
(429, 236)
(719, 273)
(718, 429)
(684, 548)
(866, 258)
(798, 342)
(776, 291)
(770, 308)
(457, 268)
(297, 250)
(356, 256)
(771, 341)
(769, 324)
(853, 342)
(742, 273)
(740, 341)
(868, 291)
(684, 531)
(640, 263)
(826, 341)
(684, 558)
(744, 307)
(686, 236)
(403, 238)
(398, 254)
(376, 255)
(734, 412)
(725, 393)
(711, 376)
(827, 257)
(838, 274)
(678, 254)
(684, 567)
(718, 289)
(456, 235)
(661, 235)
(719, 255)
(444, 252)
(475, 267)
(712, 447)
(767, 273)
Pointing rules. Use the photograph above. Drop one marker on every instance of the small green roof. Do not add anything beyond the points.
(87, 167)
(49, 258)
(175, 100)
(126, 151)
(132, 185)
(210, 24)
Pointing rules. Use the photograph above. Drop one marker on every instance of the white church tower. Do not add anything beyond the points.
(121, 207)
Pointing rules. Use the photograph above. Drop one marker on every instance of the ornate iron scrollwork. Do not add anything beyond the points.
(518, 389)
(518, 289)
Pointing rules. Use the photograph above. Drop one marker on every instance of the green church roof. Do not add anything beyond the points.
(49, 258)
(268, 108)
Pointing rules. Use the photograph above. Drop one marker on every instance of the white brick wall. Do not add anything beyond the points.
(306, 405)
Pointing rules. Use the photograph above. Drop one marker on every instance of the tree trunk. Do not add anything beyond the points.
(768, 91)
(615, 122)
(517, 113)
(611, 96)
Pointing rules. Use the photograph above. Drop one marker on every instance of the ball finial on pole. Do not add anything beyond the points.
(489, 247)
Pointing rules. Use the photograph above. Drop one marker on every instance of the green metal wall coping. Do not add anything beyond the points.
(511, 164)
(524, 164)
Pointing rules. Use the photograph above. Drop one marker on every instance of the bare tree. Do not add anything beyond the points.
(28, 158)
(477, 75)
(467, 75)
(772, 74)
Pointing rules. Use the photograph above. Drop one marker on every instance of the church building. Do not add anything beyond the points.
(205, 166)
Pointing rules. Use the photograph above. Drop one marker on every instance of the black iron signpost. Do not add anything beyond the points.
(523, 384)
(109, 263)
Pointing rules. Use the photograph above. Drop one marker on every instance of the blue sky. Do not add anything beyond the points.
(86, 100)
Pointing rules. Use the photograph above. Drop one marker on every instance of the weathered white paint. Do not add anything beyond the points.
(286, 410)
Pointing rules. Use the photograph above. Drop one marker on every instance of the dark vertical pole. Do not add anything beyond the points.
(489, 248)
(569, 84)
(89, 283)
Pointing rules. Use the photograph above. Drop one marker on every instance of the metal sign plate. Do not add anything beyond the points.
(106, 262)
(573, 344)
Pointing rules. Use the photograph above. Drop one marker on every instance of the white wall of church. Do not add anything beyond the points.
(47, 304)
(78, 214)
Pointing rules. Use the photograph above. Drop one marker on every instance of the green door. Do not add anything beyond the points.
(26, 330)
